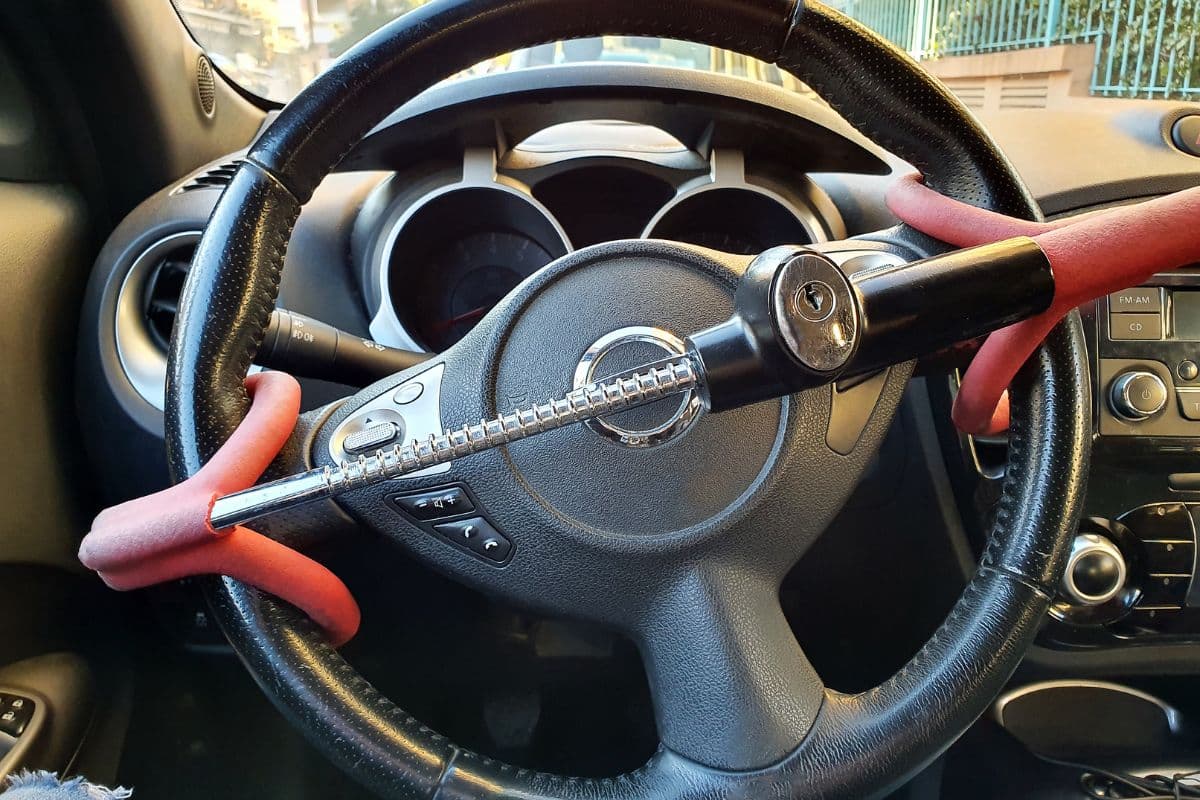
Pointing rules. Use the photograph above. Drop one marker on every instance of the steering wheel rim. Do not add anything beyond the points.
(857, 744)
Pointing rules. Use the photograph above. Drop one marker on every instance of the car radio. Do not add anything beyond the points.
(1131, 574)
(1148, 361)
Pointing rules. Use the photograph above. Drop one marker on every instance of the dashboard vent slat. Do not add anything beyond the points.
(217, 177)
(164, 285)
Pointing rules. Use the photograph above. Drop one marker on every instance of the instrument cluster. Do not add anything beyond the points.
(445, 253)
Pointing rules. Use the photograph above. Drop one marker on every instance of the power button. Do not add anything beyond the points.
(1137, 395)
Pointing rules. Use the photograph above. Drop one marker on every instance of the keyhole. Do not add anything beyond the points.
(812, 296)
(814, 301)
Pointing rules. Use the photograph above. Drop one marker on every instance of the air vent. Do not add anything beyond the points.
(988, 454)
(164, 285)
(145, 314)
(206, 86)
(217, 177)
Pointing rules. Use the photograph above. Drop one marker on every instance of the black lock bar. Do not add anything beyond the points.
(802, 321)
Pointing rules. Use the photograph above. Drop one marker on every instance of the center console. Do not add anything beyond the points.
(1131, 576)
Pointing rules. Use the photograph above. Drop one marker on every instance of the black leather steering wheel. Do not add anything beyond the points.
(680, 546)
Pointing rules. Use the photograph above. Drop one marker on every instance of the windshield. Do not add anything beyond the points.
(991, 53)
(273, 48)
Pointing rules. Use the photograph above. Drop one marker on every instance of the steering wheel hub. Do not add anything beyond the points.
(639, 475)
(624, 349)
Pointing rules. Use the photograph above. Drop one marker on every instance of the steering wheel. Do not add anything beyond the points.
(682, 545)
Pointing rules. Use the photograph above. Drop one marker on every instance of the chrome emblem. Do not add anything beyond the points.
(606, 347)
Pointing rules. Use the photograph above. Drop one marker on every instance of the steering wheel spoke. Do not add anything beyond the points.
(896, 241)
(732, 688)
(315, 523)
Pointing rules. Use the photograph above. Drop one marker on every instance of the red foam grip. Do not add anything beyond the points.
(1092, 255)
(167, 535)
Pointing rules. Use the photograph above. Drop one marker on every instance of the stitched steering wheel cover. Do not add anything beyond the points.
(859, 744)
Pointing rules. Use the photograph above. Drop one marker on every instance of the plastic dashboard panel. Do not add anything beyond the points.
(702, 110)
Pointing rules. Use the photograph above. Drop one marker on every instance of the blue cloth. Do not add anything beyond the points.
(47, 786)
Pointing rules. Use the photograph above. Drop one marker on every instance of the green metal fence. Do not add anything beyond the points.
(1144, 48)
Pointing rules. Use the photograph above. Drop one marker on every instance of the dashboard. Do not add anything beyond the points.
(473, 187)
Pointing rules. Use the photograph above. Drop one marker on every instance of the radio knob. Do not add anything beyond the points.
(1096, 571)
(1137, 395)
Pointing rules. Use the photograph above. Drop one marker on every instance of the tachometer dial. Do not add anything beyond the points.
(732, 220)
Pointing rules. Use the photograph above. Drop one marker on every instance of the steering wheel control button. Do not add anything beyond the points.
(408, 393)
(1096, 570)
(1135, 327)
(415, 408)
(1143, 299)
(1137, 395)
(451, 501)
(1189, 403)
(441, 512)
(372, 438)
(1185, 133)
(477, 535)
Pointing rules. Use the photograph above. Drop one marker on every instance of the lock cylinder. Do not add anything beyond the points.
(803, 319)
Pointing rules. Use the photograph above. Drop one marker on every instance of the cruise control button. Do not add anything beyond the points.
(477, 535)
(1134, 327)
(435, 504)
(1142, 298)
(371, 438)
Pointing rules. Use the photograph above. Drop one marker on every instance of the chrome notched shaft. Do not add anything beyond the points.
(638, 387)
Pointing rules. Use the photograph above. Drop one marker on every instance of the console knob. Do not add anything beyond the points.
(1137, 395)
(1095, 571)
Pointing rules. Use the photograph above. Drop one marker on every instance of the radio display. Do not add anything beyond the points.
(1186, 312)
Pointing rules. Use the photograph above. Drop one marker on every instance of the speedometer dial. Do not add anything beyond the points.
(469, 277)
(459, 253)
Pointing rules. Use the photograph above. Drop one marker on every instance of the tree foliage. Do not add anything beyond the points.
(368, 16)
(1146, 48)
